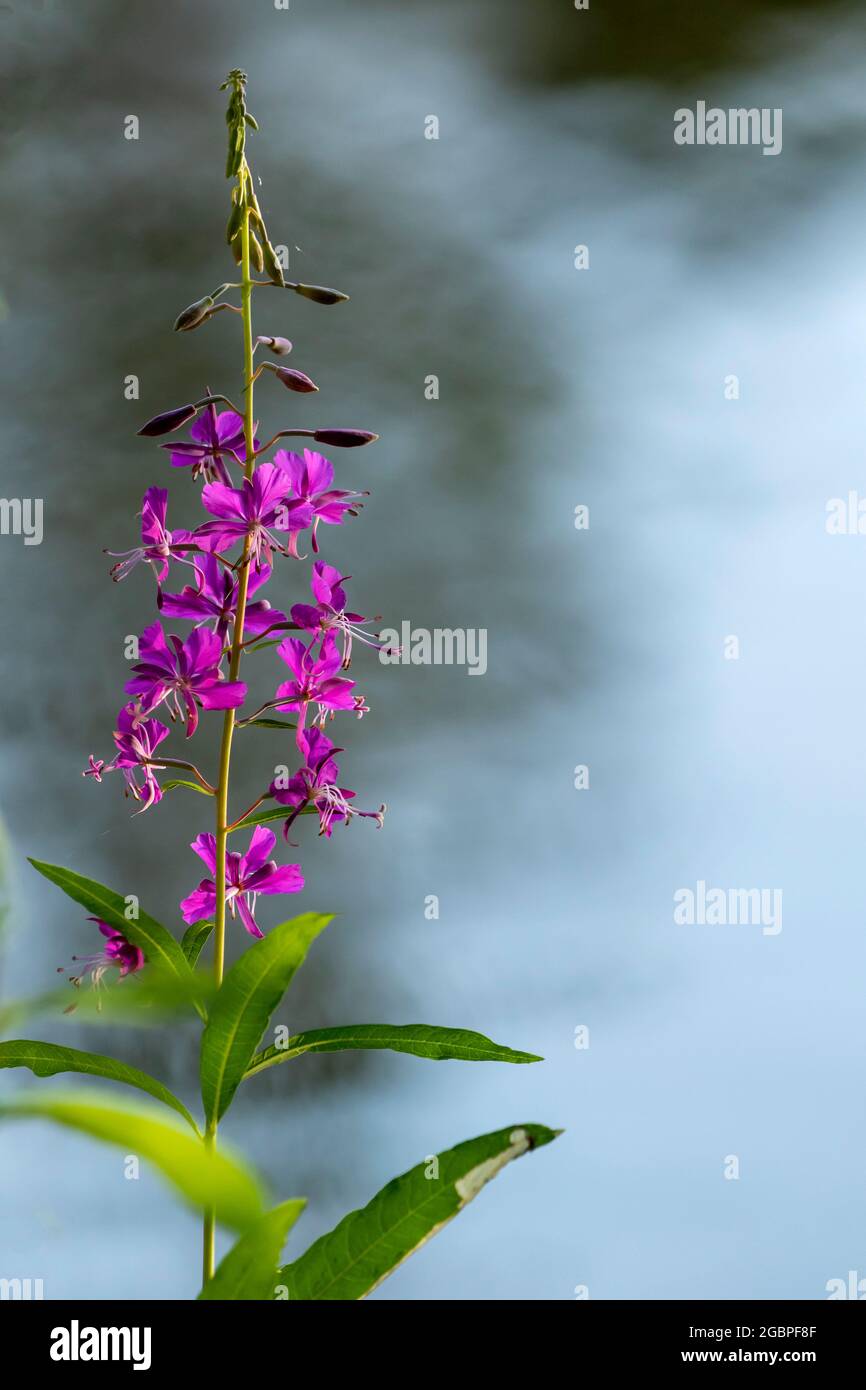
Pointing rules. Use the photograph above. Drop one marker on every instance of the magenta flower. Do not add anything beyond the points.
(214, 599)
(185, 673)
(329, 612)
(311, 478)
(136, 740)
(315, 784)
(316, 681)
(158, 545)
(215, 435)
(251, 510)
(247, 875)
(117, 952)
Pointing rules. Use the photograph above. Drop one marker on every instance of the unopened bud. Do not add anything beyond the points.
(170, 420)
(256, 254)
(234, 222)
(294, 381)
(320, 294)
(272, 266)
(193, 315)
(281, 346)
(345, 439)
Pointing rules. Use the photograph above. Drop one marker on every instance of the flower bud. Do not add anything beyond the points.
(280, 346)
(256, 254)
(273, 269)
(345, 439)
(234, 222)
(293, 380)
(320, 294)
(170, 420)
(193, 315)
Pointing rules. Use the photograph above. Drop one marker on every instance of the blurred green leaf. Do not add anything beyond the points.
(49, 1059)
(368, 1245)
(141, 1002)
(239, 1014)
(249, 1270)
(418, 1039)
(206, 1178)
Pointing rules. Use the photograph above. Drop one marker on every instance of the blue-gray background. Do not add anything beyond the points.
(558, 387)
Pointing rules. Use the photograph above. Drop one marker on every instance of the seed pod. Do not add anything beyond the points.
(169, 421)
(320, 294)
(256, 255)
(345, 439)
(193, 315)
(273, 268)
(293, 380)
(280, 346)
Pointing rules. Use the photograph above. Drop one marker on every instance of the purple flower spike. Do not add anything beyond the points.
(136, 740)
(315, 784)
(247, 875)
(215, 434)
(311, 478)
(214, 599)
(186, 673)
(330, 612)
(316, 681)
(158, 545)
(252, 510)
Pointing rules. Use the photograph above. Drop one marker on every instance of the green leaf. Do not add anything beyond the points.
(172, 782)
(159, 945)
(141, 1001)
(194, 940)
(368, 1245)
(270, 723)
(249, 1270)
(263, 817)
(250, 992)
(206, 1178)
(419, 1039)
(49, 1059)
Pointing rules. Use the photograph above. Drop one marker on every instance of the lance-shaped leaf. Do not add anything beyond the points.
(249, 1270)
(49, 1059)
(265, 817)
(239, 1014)
(205, 1177)
(368, 1245)
(418, 1039)
(194, 939)
(158, 945)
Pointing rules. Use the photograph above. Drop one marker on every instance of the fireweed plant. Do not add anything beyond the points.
(265, 519)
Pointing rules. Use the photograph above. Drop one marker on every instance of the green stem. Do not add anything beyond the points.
(222, 795)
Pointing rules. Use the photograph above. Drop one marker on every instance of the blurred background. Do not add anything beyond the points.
(557, 387)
